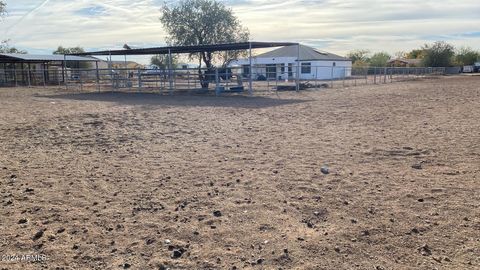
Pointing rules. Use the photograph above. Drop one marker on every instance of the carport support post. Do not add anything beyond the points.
(110, 65)
(297, 80)
(170, 82)
(250, 77)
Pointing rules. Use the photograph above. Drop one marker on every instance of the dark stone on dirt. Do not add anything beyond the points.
(75, 247)
(22, 221)
(61, 230)
(217, 213)
(29, 190)
(415, 230)
(260, 261)
(285, 250)
(425, 250)
(13, 176)
(300, 239)
(126, 265)
(337, 249)
(417, 166)
(150, 241)
(421, 200)
(38, 235)
(325, 170)
(177, 253)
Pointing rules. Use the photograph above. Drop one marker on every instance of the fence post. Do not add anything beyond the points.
(385, 75)
(97, 74)
(331, 78)
(43, 77)
(28, 75)
(366, 75)
(80, 79)
(217, 82)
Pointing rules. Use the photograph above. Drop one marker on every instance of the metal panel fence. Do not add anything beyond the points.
(222, 80)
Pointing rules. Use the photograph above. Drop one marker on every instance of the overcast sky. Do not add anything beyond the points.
(337, 26)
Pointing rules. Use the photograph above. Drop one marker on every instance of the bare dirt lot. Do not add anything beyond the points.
(142, 181)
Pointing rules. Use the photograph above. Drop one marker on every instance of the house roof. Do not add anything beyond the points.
(406, 61)
(16, 57)
(306, 54)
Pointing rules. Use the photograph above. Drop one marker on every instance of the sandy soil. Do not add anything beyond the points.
(131, 181)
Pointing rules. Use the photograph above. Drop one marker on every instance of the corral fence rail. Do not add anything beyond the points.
(218, 81)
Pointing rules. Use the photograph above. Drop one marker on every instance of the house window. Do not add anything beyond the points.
(271, 71)
(306, 68)
(246, 71)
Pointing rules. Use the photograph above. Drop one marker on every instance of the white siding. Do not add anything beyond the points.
(320, 70)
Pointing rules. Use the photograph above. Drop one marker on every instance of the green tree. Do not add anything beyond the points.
(201, 22)
(439, 54)
(72, 50)
(416, 54)
(360, 56)
(466, 56)
(161, 61)
(379, 59)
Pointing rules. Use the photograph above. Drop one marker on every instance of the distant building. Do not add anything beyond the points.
(281, 63)
(404, 62)
(128, 64)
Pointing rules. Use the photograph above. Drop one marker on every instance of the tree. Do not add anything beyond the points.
(466, 56)
(3, 8)
(161, 61)
(416, 54)
(358, 56)
(202, 22)
(439, 54)
(62, 50)
(6, 48)
(379, 59)
(401, 55)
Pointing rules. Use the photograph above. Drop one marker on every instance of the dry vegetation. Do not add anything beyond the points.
(117, 181)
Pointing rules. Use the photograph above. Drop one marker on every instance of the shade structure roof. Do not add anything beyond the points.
(192, 49)
(17, 57)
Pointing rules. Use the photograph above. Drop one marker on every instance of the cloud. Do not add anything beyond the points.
(334, 25)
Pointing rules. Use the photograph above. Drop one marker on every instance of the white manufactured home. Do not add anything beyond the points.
(281, 64)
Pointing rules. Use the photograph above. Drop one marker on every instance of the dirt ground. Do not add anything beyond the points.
(142, 181)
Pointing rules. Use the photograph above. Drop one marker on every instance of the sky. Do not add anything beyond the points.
(337, 26)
